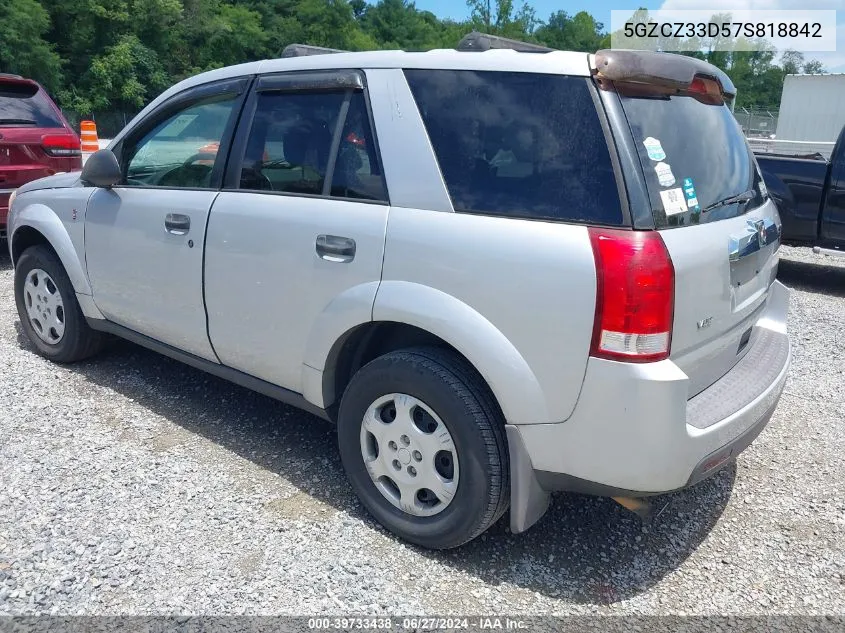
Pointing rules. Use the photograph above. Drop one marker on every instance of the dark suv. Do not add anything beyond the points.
(35, 139)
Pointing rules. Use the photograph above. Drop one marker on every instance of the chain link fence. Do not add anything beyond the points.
(757, 123)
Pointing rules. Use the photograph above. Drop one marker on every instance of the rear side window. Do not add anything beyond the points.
(23, 104)
(519, 144)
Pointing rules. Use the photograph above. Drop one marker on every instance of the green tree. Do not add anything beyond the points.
(398, 24)
(814, 67)
(501, 17)
(580, 32)
(23, 47)
(125, 77)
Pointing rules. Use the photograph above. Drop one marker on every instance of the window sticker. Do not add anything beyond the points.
(664, 174)
(691, 195)
(654, 148)
(673, 201)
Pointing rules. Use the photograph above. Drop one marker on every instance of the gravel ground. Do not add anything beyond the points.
(132, 484)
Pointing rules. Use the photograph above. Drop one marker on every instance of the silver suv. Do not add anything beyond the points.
(501, 272)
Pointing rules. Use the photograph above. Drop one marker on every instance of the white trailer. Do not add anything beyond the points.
(812, 109)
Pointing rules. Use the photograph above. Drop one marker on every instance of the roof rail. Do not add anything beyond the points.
(303, 50)
(476, 42)
(9, 76)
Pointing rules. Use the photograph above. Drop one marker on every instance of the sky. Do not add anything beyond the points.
(600, 9)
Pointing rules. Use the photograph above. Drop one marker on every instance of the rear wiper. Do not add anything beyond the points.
(19, 121)
(745, 196)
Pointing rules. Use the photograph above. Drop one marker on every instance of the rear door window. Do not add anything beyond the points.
(291, 141)
(694, 157)
(519, 144)
(23, 104)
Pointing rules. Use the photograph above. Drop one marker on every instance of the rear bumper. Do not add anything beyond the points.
(634, 433)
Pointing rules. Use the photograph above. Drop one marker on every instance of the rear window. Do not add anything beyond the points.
(519, 144)
(22, 104)
(694, 156)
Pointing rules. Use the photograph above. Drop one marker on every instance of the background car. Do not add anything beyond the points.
(35, 138)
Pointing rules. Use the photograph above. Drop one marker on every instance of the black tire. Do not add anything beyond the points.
(452, 388)
(79, 341)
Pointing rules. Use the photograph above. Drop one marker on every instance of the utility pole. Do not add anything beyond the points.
(489, 16)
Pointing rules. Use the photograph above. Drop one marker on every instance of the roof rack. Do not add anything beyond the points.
(477, 42)
(303, 50)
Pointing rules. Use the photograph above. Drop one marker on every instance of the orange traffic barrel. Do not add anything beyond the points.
(88, 136)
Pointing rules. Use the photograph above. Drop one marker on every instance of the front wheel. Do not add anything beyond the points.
(422, 441)
(49, 312)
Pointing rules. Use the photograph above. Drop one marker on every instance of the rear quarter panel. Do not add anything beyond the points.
(534, 282)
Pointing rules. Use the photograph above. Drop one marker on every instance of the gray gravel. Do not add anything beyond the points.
(131, 484)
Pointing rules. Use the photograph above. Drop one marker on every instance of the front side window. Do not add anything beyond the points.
(290, 145)
(181, 150)
(519, 144)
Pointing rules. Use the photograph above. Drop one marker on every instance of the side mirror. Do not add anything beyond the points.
(101, 169)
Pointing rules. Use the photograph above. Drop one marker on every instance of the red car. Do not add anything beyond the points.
(35, 138)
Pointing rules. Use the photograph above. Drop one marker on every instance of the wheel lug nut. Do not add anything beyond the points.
(405, 440)
(392, 445)
(397, 465)
(412, 471)
(417, 456)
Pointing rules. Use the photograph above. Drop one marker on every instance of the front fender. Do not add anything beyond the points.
(514, 385)
(44, 220)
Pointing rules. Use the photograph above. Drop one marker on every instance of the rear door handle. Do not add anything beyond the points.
(334, 248)
(177, 223)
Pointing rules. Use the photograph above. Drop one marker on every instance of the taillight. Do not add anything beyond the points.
(635, 297)
(61, 145)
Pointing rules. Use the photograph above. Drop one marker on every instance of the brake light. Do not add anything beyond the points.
(61, 145)
(635, 296)
(705, 89)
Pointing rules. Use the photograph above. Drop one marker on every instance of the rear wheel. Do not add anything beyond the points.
(49, 312)
(423, 445)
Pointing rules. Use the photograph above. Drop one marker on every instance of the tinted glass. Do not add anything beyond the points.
(357, 173)
(519, 144)
(181, 150)
(25, 104)
(290, 144)
(694, 155)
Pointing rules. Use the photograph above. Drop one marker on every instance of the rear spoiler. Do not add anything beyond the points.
(658, 69)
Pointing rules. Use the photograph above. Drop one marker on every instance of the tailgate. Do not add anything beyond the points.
(720, 228)
(723, 271)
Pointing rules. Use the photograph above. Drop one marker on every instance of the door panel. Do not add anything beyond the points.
(833, 212)
(304, 223)
(266, 284)
(144, 277)
(144, 239)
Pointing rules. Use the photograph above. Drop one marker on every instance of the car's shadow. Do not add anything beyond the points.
(587, 550)
(820, 278)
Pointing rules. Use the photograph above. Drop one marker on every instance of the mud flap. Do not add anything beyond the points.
(529, 501)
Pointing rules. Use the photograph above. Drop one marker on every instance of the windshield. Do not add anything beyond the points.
(22, 104)
(695, 159)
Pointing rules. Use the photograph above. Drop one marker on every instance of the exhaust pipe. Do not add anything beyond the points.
(643, 508)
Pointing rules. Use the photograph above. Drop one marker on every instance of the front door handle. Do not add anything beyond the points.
(177, 223)
(334, 248)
